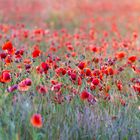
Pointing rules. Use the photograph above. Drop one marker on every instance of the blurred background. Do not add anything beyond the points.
(68, 13)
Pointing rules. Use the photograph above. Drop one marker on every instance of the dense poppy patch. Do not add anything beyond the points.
(69, 68)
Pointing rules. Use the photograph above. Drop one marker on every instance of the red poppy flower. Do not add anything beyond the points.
(87, 71)
(95, 81)
(3, 55)
(27, 61)
(92, 87)
(44, 66)
(95, 60)
(36, 52)
(38, 31)
(73, 76)
(41, 89)
(96, 72)
(36, 120)
(60, 71)
(5, 77)
(93, 48)
(120, 55)
(70, 47)
(81, 65)
(132, 58)
(7, 46)
(84, 95)
(73, 54)
(79, 81)
(135, 35)
(28, 82)
(54, 82)
(119, 85)
(56, 87)
(8, 60)
(24, 85)
(109, 71)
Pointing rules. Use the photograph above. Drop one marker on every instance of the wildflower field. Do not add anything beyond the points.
(70, 70)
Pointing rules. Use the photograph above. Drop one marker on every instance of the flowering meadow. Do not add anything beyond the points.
(70, 70)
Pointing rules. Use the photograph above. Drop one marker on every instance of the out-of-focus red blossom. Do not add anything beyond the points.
(87, 71)
(44, 66)
(25, 34)
(73, 76)
(27, 67)
(41, 89)
(79, 81)
(69, 71)
(27, 61)
(82, 73)
(135, 80)
(39, 32)
(119, 85)
(132, 58)
(70, 47)
(19, 52)
(101, 76)
(96, 72)
(92, 87)
(137, 87)
(19, 67)
(135, 35)
(134, 68)
(60, 71)
(3, 55)
(73, 54)
(17, 57)
(120, 55)
(54, 82)
(24, 85)
(39, 70)
(109, 71)
(82, 65)
(84, 95)
(36, 52)
(36, 120)
(100, 87)
(5, 76)
(8, 60)
(95, 59)
(120, 69)
(92, 34)
(56, 87)
(95, 81)
(7, 46)
(93, 48)
(28, 82)
(105, 34)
